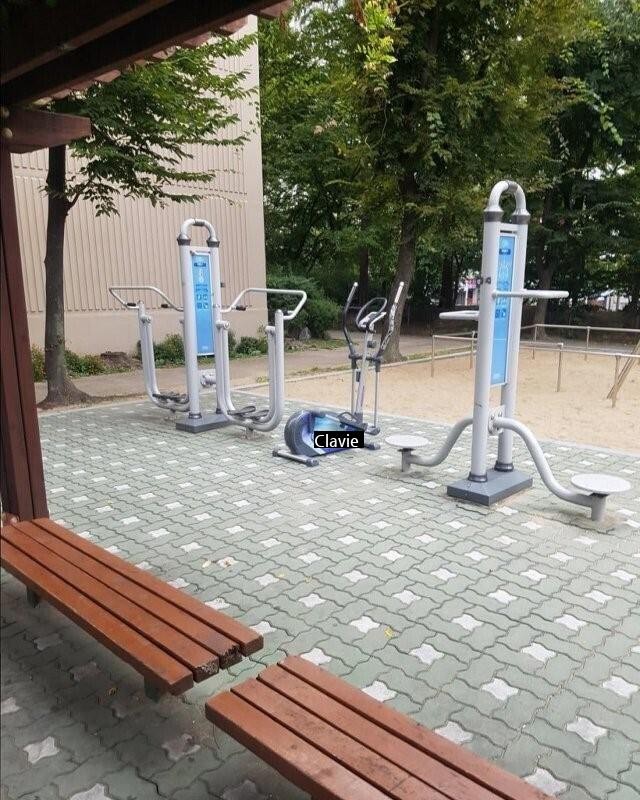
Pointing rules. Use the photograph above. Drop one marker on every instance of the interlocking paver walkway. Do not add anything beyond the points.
(514, 631)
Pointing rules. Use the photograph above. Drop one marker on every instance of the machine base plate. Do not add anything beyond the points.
(498, 486)
(207, 422)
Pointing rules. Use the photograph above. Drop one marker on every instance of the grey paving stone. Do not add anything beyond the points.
(435, 666)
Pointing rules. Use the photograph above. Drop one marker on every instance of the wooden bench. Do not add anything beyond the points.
(170, 638)
(337, 743)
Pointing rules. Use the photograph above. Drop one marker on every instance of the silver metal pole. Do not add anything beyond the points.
(535, 339)
(504, 462)
(189, 328)
(482, 389)
(614, 393)
(433, 354)
(586, 355)
(560, 354)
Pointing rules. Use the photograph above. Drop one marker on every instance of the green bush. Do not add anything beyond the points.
(251, 346)
(37, 363)
(170, 351)
(319, 313)
(83, 365)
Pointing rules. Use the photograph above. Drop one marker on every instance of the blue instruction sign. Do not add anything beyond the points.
(203, 300)
(504, 282)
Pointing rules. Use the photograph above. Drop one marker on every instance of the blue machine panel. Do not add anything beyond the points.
(203, 299)
(500, 350)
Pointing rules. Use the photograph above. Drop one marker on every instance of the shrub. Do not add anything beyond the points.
(319, 313)
(83, 365)
(251, 346)
(37, 363)
(170, 350)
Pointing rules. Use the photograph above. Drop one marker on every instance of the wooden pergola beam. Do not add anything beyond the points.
(141, 38)
(276, 10)
(24, 130)
(51, 30)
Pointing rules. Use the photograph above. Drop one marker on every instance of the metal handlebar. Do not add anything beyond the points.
(235, 304)
(539, 294)
(367, 319)
(114, 292)
(459, 315)
(345, 317)
(392, 321)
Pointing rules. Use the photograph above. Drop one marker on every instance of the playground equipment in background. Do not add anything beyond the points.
(501, 291)
(205, 333)
(301, 426)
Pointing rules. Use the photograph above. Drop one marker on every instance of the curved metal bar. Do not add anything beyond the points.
(432, 461)
(113, 291)
(286, 317)
(392, 321)
(198, 223)
(593, 501)
(507, 187)
(345, 329)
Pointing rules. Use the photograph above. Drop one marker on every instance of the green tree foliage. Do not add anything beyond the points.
(385, 124)
(588, 235)
(143, 126)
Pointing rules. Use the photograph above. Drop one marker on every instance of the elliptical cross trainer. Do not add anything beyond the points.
(301, 427)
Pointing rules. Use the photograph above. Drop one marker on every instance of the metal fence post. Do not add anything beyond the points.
(535, 339)
(433, 354)
(614, 393)
(560, 354)
(586, 355)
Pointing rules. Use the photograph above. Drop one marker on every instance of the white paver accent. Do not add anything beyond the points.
(499, 689)
(444, 574)
(180, 747)
(316, 656)
(598, 597)
(217, 604)
(427, 654)
(545, 781)
(467, 622)
(539, 652)
(406, 597)
(454, 733)
(365, 624)
(267, 580)
(379, 691)
(619, 686)
(312, 600)
(502, 597)
(38, 750)
(570, 622)
(586, 729)
(310, 558)
(355, 575)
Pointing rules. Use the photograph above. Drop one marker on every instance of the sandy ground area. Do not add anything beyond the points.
(580, 412)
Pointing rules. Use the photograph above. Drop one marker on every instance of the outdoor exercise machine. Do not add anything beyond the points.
(205, 333)
(304, 428)
(501, 294)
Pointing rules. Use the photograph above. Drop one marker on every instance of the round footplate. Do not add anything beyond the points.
(406, 441)
(597, 483)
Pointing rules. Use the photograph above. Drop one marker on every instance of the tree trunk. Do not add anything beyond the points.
(406, 264)
(363, 275)
(60, 389)
(545, 275)
(446, 285)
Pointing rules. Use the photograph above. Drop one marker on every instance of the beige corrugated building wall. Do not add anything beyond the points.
(138, 246)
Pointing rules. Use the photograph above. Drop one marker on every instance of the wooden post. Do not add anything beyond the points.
(22, 476)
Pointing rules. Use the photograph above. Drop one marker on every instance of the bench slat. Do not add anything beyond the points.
(507, 786)
(335, 743)
(226, 650)
(201, 662)
(304, 765)
(248, 640)
(150, 661)
(387, 745)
